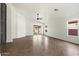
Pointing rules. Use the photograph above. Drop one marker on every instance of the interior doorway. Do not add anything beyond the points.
(38, 28)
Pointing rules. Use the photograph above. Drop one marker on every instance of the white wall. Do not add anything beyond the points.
(24, 23)
(9, 39)
(23, 26)
(66, 12)
(18, 25)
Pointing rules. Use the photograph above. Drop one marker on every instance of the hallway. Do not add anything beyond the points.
(40, 46)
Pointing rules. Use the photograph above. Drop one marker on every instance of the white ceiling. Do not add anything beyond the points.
(67, 9)
(33, 5)
(39, 6)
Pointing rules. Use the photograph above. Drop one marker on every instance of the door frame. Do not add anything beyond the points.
(3, 22)
(37, 24)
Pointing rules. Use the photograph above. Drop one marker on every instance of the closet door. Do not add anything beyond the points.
(3, 23)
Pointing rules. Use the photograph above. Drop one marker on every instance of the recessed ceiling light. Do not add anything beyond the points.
(55, 9)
